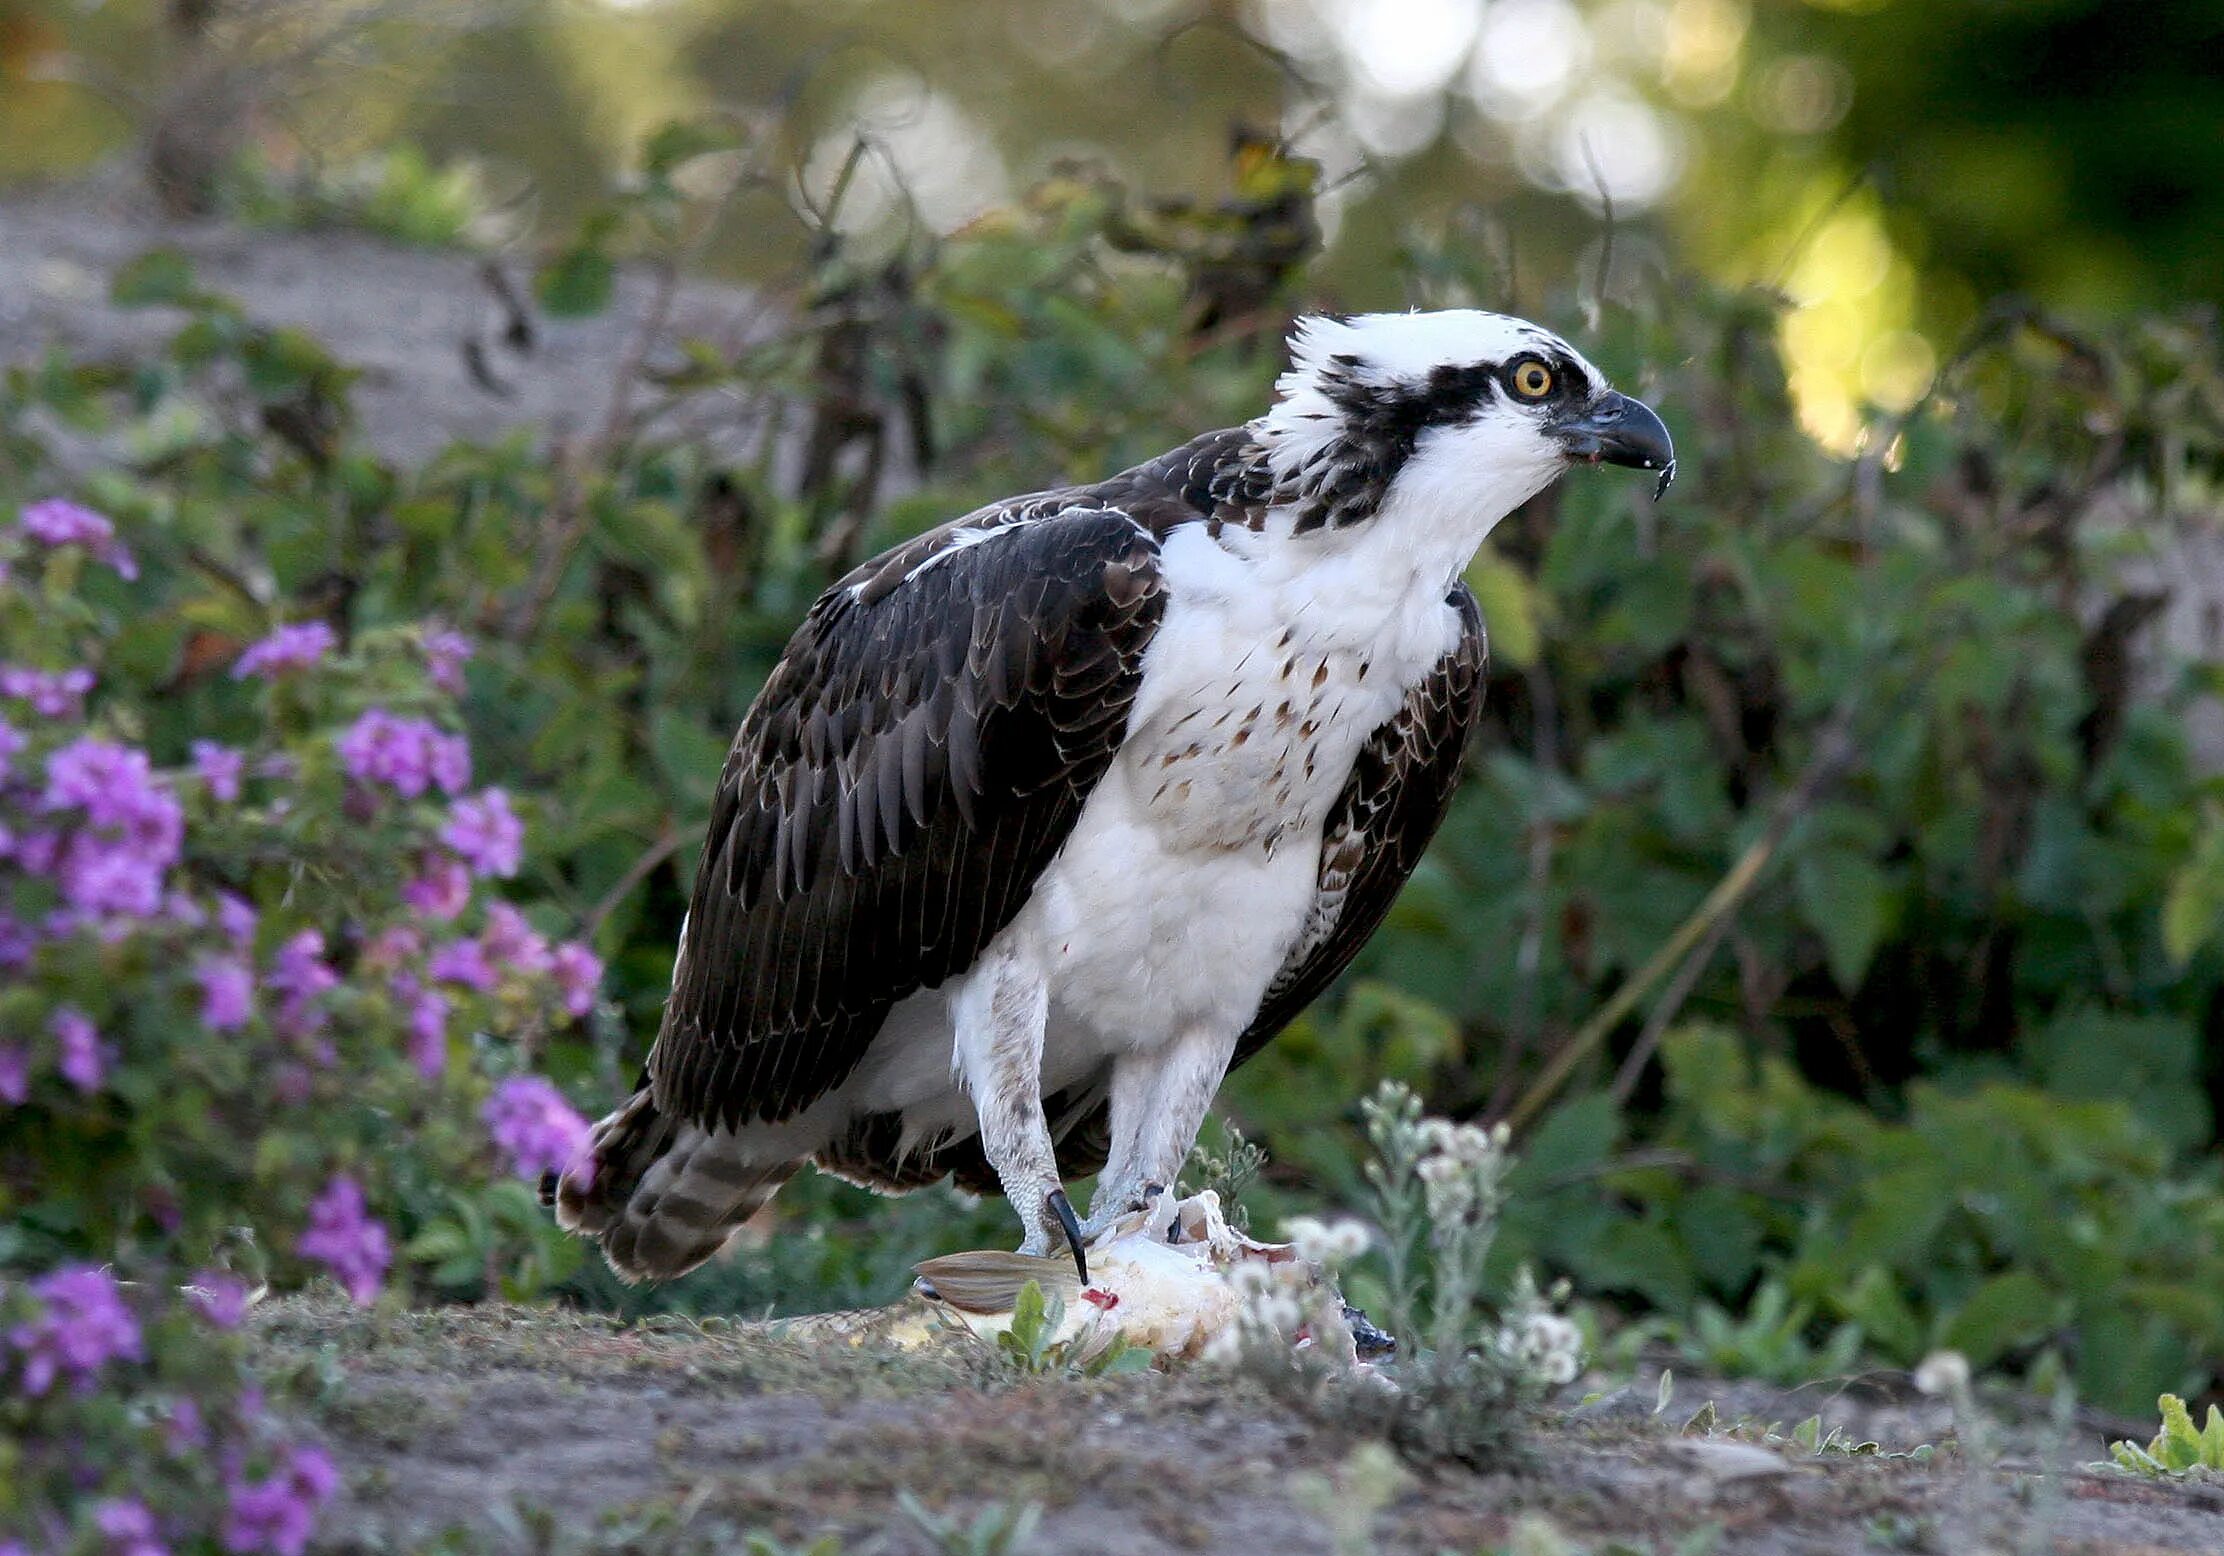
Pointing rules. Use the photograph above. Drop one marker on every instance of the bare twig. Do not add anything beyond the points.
(1597, 302)
(568, 518)
(1665, 1010)
(666, 845)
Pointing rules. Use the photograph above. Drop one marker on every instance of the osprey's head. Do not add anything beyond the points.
(1475, 410)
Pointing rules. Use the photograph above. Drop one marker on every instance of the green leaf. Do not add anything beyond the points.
(2193, 905)
(1844, 898)
(688, 756)
(1513, 608)
(576, 283)
(156, 278)
(682, 140)
(2007, 1310)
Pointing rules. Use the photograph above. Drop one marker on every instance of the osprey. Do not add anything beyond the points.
(1052, 816)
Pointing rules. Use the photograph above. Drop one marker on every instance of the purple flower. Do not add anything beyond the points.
(128, 1528)
(134, 828)
(578, 976)
(448, 758)
(285, 651)
(445, 652)
(408, 755)
(390, 947)
(299, 977)
(186, 1431)
(18, 943)
(227, 992)
(509, 941)
(55, 694)
(59, 523)
(15, 1074)
(236, 918)
(84, 1326)
(77, 1049)
(440, 889)
(485, 833)
(100, 878)
(278, 1513)
(12, 740)
(219, 767)
(427, 1014)
(219, 1297)
(530, 1120)
(113, 785)
(464, 962)
(346, 1240)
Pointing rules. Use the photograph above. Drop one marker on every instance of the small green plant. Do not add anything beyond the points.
(1229, 1172)
(1469, 1361)
(999, 1529)
(2180, 1448)
(1033, 1346)
(1769, 1340)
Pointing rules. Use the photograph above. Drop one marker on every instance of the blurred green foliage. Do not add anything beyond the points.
(1944, 1073)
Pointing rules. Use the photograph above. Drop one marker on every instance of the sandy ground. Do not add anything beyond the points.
(532, 1429)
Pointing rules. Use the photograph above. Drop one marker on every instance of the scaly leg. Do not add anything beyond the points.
(1158, 1102)
(999, 1014)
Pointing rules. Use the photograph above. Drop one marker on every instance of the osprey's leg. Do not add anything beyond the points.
(999, 1013)
(1158, 1102)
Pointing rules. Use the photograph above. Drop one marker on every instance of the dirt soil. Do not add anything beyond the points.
(514, 1428)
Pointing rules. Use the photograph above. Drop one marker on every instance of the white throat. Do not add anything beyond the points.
(1459, 483)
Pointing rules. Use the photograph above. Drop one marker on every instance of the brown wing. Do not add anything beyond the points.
(1399, 789)
(914, 762)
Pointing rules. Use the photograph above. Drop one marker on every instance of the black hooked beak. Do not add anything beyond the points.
(1613, 429)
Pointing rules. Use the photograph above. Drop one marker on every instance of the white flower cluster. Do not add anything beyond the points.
(1461, 1170)
(1943, 1372)
(1332, 1245)
(1275, 1308)
(1544, 1346)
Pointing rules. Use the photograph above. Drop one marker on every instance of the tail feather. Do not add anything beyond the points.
(662, 1196)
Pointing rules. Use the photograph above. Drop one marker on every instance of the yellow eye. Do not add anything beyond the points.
(1532, 379)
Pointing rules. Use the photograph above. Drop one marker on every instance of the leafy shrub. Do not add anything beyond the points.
(258, 998)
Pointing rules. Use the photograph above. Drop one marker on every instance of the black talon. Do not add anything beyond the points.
(1062, 1208)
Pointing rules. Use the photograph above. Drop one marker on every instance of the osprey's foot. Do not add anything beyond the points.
(1107, 1211)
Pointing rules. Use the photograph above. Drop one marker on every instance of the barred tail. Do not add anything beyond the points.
(662, 1196)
